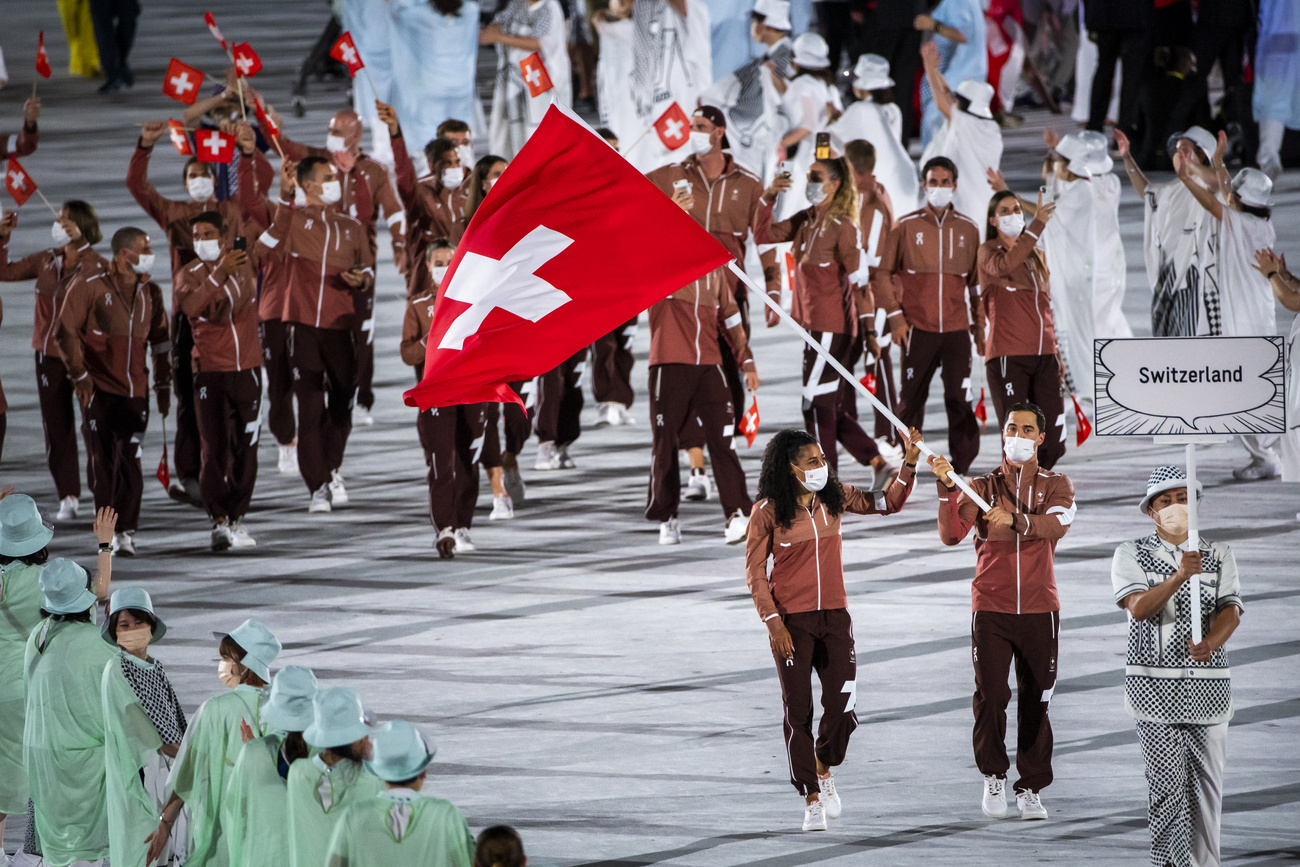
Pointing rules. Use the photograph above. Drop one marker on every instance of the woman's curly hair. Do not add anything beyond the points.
(778, 485)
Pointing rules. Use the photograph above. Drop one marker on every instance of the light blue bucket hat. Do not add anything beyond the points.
(260, 646)
(289, 707)
(135, 599)
(22, 531)
(399, 752)
(338, 719)
(63, 587)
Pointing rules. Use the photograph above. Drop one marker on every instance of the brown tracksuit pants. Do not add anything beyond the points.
(887, 392)
(830, 409)
(279, 379)
(59, 420)
(185, 448)
(113, 426)
(1030, 640)
(823, 642)
(453, 438)
(227, 404)
(518, 426)
(925, 352)
(678, 394)
(324, 381)
(1037, 379)
(364, 334)
(559, 401)
(611, 366)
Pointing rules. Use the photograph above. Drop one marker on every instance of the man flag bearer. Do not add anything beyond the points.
(1016, 612)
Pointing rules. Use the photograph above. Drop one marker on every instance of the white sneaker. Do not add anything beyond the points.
(239, 537)
(994, 803)
(698, 486)
(566, 462)
(503, 508)
(463, 543)
(446, 543)
(624, 416)
(1031, 806)
(548, 457)
(222, 538)
(606, 414)
(670, 532)
(514, 484)
(288, 465)
(890, 452)
(320, 500)
(124, 544)
(883, 477)
(338, 493)
(68, 508)
(814, 817)
(737, 528)
(361, 416)
(830, 797)
(1257, 470)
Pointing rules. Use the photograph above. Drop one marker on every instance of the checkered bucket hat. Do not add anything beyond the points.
(1163, 479)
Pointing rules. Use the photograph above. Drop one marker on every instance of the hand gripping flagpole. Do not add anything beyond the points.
(850, 378)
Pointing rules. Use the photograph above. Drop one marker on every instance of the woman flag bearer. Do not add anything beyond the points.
(400, 826)
(796, 523)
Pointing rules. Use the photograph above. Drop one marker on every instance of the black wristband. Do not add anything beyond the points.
(1271, 276)
(909, 466)
(106, 547)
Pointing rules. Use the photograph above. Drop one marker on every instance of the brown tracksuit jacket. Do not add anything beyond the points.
(827, 255)
(432, 212)
(685, 327)
(106, 330)
(222, 309)
(933, 261)
(415, 329)
(1016, 295)
(22, 144)
(52, 282)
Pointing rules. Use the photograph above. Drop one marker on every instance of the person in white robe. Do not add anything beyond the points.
(970, 137)
(371, 24)
(520, 29)
(435, 51)
(672, 61)
(812, 103)
(1286, 289)
(876, 118)
(614, 30)
(1110, 266)
(1275, 98)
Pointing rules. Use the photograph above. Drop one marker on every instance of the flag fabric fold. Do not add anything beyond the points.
(1083, 427)
(42, 59)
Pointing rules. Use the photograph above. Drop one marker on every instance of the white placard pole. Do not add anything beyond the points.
(850, 378)
(1193, 540)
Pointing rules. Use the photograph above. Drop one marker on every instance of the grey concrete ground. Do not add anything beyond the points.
(615, 700)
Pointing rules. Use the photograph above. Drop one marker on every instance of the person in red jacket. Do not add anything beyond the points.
(1016, 611)
(112, 320)
(796, 524)
(1020, 354)
(74, 233)
(218, 294)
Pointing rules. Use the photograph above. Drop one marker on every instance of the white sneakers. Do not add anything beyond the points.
(288, 465)
(361, 416)
(698, 487)
(338, 493)
(1031, 806)
(994, 803)
(222, 538)
(320, 500)
(463, 543)
(737, 528)
(670, 532)
(503, 508)
(124, 543)
(68, 508)
(1257, 470)
(239, 537)
(814, 816)
(829, 797)
(613, 415)
(446, 543)
(548, 457)
(566, 462)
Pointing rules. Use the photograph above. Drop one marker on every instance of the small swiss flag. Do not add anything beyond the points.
(269, 129)
(177, 131)
(1084, 427)
(749, 423)
(42, 59)
(789, 270)
(247, 63)
(345, 52)
(212, 25)
(19, 184)
(163, 474)
(673, 127)
(182, 82)
(869, 382)
(535, 75)
(980, 412)
(214, 146)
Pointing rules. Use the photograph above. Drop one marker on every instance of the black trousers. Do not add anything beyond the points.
(114, 23)
(279, 379)
(185, 447)
(59, 420)
(364, 304)
(1134, 48)
(228, 408)
(611, 366)
(1037, 379)
(113, 426)
(452, 438)
(324, 381)
(559, 401)
(926, 352)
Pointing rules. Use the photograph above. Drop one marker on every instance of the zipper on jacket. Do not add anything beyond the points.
(941, 217)
(1019, 470)
(817, 552)
(324, 262)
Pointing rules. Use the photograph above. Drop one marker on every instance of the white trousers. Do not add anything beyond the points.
(1184, 769)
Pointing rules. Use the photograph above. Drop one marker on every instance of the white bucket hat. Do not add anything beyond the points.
(979, 94)
(399, 752)
(1076, 153)
(260, 646)
(337, 719)
(135, 599)
(63, 587)
(1098, 159)
(1165, 479)
(776, 13)
(1199, 135)
(290, 706)
(1254, 187)
(872, 73)
(811, 51)
(22, 532)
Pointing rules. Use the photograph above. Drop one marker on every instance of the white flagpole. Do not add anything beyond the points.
(850, 378)
(1193, 540)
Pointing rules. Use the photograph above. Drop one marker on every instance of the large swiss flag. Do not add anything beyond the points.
(571, 242)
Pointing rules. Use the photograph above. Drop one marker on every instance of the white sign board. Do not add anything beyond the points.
(1190, 386)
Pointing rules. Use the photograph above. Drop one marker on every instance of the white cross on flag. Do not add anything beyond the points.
(182, 82)
(673, 127)
(177, 132)
(535, 75)
(345, 52)
(19, 184)
(247, 63)
(214, 146)
(570, 243)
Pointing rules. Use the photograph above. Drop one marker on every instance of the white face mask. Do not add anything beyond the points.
(144, 264)
(200, 188)
(451, 177)
(815, 480)
(227, 673)
(1011, 224)
(487, 185)
(466, 154)
(208, 251)
(816, 194)
(1173, 519)
(299, 198)
(1018, 449)
(60, 235)
(335, 143)
(939, 197)
(331, 192)
(701, 142)
(438, 272)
